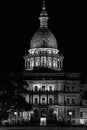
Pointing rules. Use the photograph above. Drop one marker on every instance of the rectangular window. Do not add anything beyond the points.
(73, 113)
(37, 62)
(73, 121)
(50, 88)
(72, 87)
(67, 112)
(67, 88)
(50, 101)
(73, 102)
(81, 114)
(68, 101)
(31, 63)
(43, 88)
(43, 101)
(36, 101)
(36, 88)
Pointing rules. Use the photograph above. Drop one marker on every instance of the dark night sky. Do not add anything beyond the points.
(19, 21)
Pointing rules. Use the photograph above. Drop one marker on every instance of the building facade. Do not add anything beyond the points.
(53, 94)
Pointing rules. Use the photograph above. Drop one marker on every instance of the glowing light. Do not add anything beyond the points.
(82, 121)
(15, 113)
(43, 121)
(70, 113)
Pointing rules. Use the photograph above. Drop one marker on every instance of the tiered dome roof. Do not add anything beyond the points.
(43, 38)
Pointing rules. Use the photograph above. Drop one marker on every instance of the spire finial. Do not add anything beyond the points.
(43, 16)
(43, 13)
(43, 8)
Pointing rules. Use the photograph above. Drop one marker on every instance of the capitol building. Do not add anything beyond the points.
(53, 93)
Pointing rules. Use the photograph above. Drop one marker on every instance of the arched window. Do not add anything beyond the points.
(55, 63)
(50, 88)
(35, 100)
(43, 88)
(43, 61)
(43, 99)
(49, 62)
(50, 100)
(31, 63)
(37, 61)
(60, 63)
(36, 88)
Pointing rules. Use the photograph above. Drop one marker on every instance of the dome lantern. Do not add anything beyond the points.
(43, 16)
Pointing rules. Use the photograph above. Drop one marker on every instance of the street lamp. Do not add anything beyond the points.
(70, 114)
(15, 113)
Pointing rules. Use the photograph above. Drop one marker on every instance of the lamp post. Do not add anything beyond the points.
(70, 114)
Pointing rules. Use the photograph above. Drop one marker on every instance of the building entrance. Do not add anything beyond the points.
(43, 121)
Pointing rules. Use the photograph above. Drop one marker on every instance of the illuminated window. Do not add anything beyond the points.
(43, 61)
(49, 62)
(31, 63)
(55, 63)
(37, 62)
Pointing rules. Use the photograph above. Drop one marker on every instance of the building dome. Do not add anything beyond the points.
(43, 38)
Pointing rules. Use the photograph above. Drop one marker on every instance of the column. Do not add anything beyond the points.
(39, 99)
(40, 61)
(52, 62)
(34, 62)
(25, 64)
(59, 63)
(47, 99)
(28, 63)
(32, 99)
